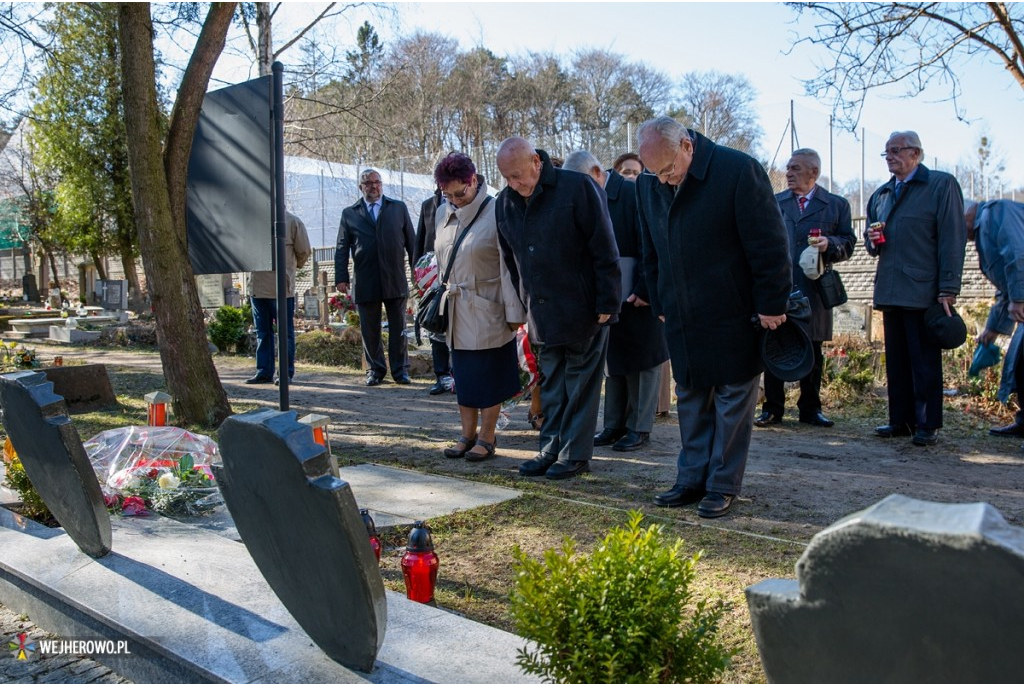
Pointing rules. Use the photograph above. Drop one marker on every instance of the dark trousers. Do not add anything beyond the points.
(570, 396)
(373, 345)
(913, 370)
(264, 318)
(809, 403)
(441, 356)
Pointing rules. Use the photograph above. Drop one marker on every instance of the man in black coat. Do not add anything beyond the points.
(557, 241)
(806, 206)
(425, 234)
(715, 254)
(636, 342)
(377, 232)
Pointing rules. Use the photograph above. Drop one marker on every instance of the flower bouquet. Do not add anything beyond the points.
(161, 468)
(341, 302)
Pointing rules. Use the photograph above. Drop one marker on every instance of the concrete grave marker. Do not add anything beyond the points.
(903, 591)
(302, 527)
(51, 451)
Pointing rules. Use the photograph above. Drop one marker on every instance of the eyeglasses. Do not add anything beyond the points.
(371, 183)
(896, 150)
(456, 196)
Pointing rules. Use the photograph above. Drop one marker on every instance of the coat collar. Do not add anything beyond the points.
(361, 203)
(703, 149)
(920, 176)
(467, 214)
(614, 184)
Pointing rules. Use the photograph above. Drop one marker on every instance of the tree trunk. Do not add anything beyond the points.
(158, 192)
(53, 269)
(97, 261)
(265, 45)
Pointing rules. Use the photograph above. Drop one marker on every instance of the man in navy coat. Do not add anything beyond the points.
(806, 206)
(715, 256)
(377, 232)
(557, 241)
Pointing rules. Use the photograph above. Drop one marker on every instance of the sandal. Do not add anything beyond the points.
(488, 446)
(536, 420)
(455, 452)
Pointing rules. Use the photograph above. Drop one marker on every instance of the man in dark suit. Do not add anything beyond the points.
(806, 206)
(636, 342)
(557, 241)
(715, 254)
(377, 232)
(425, 233)
(917, 231)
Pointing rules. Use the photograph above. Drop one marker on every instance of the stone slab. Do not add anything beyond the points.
(195, 608)
(85, 387)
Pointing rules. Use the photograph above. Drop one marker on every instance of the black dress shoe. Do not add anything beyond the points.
(537, 466)
(402, 379)
(818, 419)
(1014, 430)
(566, 469)
(679, 496)
(631, 441)
(715, 504)
(608, 436)
(766, 418)
(257, 380)
(893, 431)
(444, 384)
(372, 379)
(925, 437)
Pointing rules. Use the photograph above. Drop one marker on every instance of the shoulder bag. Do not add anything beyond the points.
(833, 293)
(432, 313)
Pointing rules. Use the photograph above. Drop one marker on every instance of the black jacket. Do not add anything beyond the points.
(561, 253)
(377, 250)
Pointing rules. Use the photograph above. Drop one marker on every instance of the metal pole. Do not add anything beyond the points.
(831, 155)
(792, 128)
(863, 153)
(283, 320)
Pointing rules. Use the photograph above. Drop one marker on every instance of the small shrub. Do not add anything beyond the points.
(229, 327)
(321, 347)
(622, 614)
(32, 505)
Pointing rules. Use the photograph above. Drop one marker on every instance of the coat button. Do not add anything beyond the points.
(530, 248)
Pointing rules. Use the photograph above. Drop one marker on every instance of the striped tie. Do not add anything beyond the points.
(802, 201)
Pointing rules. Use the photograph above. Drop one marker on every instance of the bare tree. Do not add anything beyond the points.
(877, 44)
(22, 40)
(159, 165)
(721, 106)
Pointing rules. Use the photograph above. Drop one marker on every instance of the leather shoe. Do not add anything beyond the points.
(893, 431)
(925, 437)
(1014, 430)
(566, 469)
(443, 385)
(608, 436)
(256, 380)
(818, 419)
(679, 496)
(402, 379)
(372, 379)
(715, 504)
(537, 466)
(767, 418)
(631, 441)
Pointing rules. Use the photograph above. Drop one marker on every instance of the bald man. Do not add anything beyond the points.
(557, 241)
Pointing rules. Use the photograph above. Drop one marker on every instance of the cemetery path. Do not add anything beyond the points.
(799, 478)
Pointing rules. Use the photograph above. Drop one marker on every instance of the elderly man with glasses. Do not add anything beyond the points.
(917, 231)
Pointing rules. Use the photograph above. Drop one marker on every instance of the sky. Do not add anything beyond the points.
(751, 39)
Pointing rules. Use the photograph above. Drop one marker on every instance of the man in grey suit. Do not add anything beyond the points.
(806, 206)
(918, 233)
(715, 254)
(377, 232)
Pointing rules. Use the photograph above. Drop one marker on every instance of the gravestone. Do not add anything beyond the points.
(303, 529)
(84, 388)
(903, 591)
(50, 449)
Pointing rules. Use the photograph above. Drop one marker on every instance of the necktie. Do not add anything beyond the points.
(802, 201)
(899, 189)
(373, 211)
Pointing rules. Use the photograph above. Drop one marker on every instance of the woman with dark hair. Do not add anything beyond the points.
(484, 309)
(628, 165)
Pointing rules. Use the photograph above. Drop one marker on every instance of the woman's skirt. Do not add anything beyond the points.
(484, 378)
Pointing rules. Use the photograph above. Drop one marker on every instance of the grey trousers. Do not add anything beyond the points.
(715, 424)
(630, 401)
(570, 396)
(373, 341)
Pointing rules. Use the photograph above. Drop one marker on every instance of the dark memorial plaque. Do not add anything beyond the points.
(304, 531)
(51, 451)
(230, 175)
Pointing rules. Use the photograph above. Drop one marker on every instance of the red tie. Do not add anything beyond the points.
(802, 201)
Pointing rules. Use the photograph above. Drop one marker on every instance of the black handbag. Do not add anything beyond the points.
(432, 313)
(830, 285)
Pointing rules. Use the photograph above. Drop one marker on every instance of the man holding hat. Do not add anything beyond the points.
(806, 206)
(916, 229)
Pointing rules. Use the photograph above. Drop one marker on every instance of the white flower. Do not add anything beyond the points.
(168, 481)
